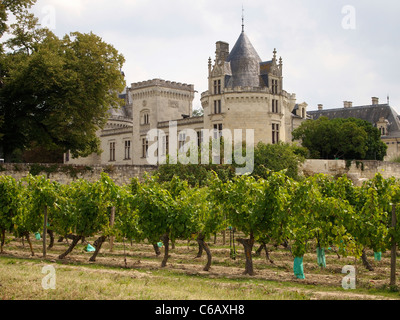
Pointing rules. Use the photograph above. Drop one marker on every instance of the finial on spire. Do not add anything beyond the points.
(242, 19)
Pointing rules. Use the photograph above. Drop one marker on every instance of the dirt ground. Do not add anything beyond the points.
(321, 283)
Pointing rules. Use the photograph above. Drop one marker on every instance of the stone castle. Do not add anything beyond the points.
(244, 92)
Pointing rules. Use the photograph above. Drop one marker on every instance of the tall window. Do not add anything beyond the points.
(274, 86)
(127, 149)
(146, 119)
(217, 131)
(217, 87)
(217, 106)
(275, 106)
(112, 151)
(145, 147)
(199, 138)
(275, 133)
(181, 140)
(165, 145)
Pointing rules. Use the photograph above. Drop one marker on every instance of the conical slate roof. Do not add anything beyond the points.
(245, 64)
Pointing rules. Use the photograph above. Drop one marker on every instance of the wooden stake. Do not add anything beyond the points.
(112, 218)
(44, 231)
(393, 253)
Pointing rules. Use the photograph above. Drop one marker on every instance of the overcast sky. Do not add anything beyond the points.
(332, 50)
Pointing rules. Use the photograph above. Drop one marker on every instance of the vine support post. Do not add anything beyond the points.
(112, 219)
(44, 231)
(393, 253)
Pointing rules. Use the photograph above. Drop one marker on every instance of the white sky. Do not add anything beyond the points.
(173, 39)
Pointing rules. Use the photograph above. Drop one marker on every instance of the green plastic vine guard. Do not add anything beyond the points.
(298, 268)
(321, 257)
(37, 236)
(89, 248)
(378, 256)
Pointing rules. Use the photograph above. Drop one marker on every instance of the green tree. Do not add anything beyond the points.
(278, 157)
(341, 139)
(57, 92)
(12, 6)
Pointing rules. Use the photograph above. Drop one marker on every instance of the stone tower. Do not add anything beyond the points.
(246, 93)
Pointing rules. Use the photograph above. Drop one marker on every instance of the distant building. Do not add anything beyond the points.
(381, 116)
(244, 92)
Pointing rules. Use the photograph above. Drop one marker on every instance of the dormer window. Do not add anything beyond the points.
(217, 87)
(382, 126)
(274, 86)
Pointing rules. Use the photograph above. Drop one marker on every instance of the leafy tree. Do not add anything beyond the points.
(12, 6)
(341, 138)
(278, 157)
(57, 92)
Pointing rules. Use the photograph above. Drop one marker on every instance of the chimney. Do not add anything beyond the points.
(349, 104)
(222, 51)
(375, 101)
(320, 107)
(345, 104)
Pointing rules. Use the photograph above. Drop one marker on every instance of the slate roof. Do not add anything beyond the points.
(245, 64)
(370, 113)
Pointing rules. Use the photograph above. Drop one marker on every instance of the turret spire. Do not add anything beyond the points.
(242, 19)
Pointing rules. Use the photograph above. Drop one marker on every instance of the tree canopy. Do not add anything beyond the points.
(347, 139)
(56, 92)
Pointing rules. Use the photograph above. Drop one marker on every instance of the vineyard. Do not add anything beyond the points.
(275, 228)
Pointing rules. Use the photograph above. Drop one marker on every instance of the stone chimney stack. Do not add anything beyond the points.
(320, 107)
(375, 101)
(222, 51)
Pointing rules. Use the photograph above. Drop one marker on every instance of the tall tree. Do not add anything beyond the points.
(57, 92)
(341, 139)
(277, 157)
(13, 6)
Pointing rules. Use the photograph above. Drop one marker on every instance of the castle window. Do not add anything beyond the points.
(274, 86)
(275, 106)
(217, 86)
(217, 106)
(182, 141)
(146, 118)
(145, 147)
(217, 131)
(127, 150)
(112, 151)
(275, 133)
(165, 145)
(199, 138)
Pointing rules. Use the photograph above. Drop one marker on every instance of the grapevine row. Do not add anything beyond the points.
(318, 210)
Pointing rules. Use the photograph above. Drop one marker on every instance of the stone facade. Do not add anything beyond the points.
(244, 93)
(358, 171)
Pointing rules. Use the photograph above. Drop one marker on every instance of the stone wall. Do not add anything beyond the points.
(66, 173)
(358, 171)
